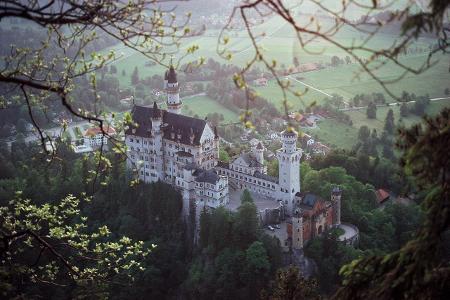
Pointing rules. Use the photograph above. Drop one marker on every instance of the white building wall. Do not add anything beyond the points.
(254, 184)
(96, 140)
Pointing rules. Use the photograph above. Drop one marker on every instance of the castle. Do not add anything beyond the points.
(165, 145)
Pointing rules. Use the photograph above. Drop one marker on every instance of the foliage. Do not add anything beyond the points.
(52, 245)
(135, 76)
(150, 213)
(223, 155)
(236, 258)
(246, 197)
(389, 124)
(363, 133)
(330, 255)
(416, 270)
(290, 285)
(371, 111)
(357, 197)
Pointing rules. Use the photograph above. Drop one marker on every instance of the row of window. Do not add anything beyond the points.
(209, 194)
(222, 202)
(170, 145)
(248, 179)
(294, 158)
(149, 174)
(208, 185)
(240, 169)
(137, 141)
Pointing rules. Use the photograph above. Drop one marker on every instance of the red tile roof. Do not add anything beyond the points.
(382, 195)
(93, 131)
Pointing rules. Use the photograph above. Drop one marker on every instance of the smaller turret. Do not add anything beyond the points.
(171, 75)
(165, 79)
(156, 118)
(173, 91)
(258, 152)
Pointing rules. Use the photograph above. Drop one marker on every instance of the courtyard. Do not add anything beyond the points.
(262, 202)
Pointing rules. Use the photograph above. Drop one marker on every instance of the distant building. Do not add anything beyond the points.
(313, 216)
(82, 149)
(382, 196)
(273, 135)
(261, 81)
(127, 100)
(95, 137)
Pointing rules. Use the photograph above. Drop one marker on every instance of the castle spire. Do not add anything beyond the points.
(173, 90)
(156, 114)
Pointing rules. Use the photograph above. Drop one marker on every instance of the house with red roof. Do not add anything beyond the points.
(95, 136)
(382, 196)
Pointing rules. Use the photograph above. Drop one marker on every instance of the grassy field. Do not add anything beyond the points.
(359, 117)
(278, 43)
(335, 133)
(272, 92)
(341, 80)
(203, 105)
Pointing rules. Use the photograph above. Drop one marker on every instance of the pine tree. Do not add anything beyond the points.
(363, 133)
(135, 76)
(389, 124)
(374, 135)
(371, 111)
(404, 111)
(388, 152)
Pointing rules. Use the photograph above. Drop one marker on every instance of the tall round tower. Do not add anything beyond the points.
(297, 229)
(336, 194)
(289, 169)
(173, 91)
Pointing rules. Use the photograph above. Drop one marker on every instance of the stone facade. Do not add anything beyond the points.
(313, 216)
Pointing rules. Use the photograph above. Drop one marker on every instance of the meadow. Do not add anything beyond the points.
(334, 133)
(338, 134)
(203, 105)
(359, 118)
(278, 43)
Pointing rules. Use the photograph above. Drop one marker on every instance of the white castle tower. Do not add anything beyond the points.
(289, 169)
(173, 91)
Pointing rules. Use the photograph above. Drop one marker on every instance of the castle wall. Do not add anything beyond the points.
(254, 184)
